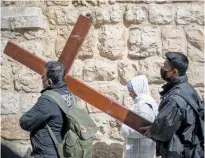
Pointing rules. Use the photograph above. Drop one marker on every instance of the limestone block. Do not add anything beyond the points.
(60, 43)
(195, 36)
(23, 18)
(173, 39)
(10, 128)
(25, 79)
(28, 101)
(106, 15)
(196, 74)
(161, 14)
(115, 14)
(115, 134)
(144, 41)
(97, 70)
(150, 67)
(26, 22)
(9, 103)
(195, 54)
(126, 71)
(190, 13)
(154, 91)
(60, 3)
(77, 69)
(6, 75)
(89, 46)
(101, 149)
(112, 42)
(136, 15)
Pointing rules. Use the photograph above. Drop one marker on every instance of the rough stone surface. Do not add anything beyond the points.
(151, 68)
(134, 14)
(173, 39)
(9, 103)
(112, 42)
(195, 36)
(161, 14)
(28, 101)
(190, 13)
(196, 74)
(128, 38)
(23, 18)
(97, 70)
(144, 41)
(126, 71)
(10, 128)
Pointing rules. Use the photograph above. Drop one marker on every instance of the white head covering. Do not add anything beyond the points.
(140, 85)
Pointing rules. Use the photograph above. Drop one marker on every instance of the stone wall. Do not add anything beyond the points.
(128, 38)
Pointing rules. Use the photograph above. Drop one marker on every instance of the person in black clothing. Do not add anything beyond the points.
(46, 111)
(175, 125)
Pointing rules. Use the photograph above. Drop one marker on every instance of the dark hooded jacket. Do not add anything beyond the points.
(34, 121)
(174, 127)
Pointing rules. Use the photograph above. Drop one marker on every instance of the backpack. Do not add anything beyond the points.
(198, 110)
(79, 130)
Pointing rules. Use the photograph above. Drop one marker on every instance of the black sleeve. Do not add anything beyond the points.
(36, 116)
(167, 121)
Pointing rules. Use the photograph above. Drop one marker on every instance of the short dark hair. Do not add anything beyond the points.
(55, 71)
(179, 61)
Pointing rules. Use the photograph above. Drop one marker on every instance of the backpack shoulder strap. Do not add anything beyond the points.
(58, 99)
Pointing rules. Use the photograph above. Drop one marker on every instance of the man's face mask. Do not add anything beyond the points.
(164, 75)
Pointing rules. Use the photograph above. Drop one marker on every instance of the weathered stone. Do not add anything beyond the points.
(150, 67)
(195, 36)
(161, 14)
(26, 79)
(6, 76)
(9, 103)
(135, 14)
(112, 42)
(101, 16)
(173, 39)
(28, 100)
(126, 71)
(65, 15)
(115, 14)
(101, 150)
(115, 134)
(97, 70)
(144, 41)
(200, 91)
(23, 17)
(195, 54)
(60, 43)
(54, 3)
(5, 23)
(190, 13)
(77, 69)
(89, 46)
(10, 128)
(196, 74)
(154, 90)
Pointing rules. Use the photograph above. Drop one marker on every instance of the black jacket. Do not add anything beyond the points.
(174, 127)
(34, 121)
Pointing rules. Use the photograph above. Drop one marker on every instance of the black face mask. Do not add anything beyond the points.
(163, 74)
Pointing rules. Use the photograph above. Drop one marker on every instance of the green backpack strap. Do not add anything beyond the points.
(63, 106)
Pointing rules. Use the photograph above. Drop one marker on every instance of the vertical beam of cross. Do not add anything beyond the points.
(86, 93)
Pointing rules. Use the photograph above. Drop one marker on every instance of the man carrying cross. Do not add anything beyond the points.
(47, 111)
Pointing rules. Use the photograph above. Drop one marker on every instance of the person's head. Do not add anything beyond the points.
(175, 65)
(137, 86)
(53, 74)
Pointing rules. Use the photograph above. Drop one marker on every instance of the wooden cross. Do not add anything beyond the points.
(78, 88)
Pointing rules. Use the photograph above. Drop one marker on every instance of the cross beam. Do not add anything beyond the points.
(78, 88)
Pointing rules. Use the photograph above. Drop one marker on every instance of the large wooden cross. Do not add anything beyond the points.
(78, 88)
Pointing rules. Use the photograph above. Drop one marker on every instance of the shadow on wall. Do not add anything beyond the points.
(7, 151)
(103, 150)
